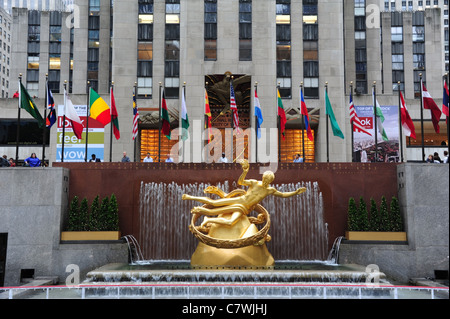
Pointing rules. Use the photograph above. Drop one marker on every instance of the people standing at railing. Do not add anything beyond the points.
(148, 159)
(4, 162)
(32, 161)
(298, 158)
(125, 158)
(11, 162)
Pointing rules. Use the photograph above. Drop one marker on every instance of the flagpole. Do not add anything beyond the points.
(302, 122)
(159, 123)
(18, 119)
(352, 128)
(88, 92)
(45, 120)
(205, 124)
(446, 80)
(279, 126)
(328, 144)
(421, 118)
(64, 123)
(256, 126)
(232, 122)
(134, 139)
(180, 122)
(400, 123)
(375, 118)
(111, 124)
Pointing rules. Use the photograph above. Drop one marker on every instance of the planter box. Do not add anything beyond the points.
(90, 235)
(375, 236)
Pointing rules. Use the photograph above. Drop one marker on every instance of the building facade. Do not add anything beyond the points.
(186, 48)
(5, 51)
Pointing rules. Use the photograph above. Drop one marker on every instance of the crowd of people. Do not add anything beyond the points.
(435, 158)
(34, 161)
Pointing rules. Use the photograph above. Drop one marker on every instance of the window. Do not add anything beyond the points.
(30, 133)
(145, 50)
(283, 44)
(397, 34)
(431, 138)
(172, 49)
(245, 30)
(210, 48)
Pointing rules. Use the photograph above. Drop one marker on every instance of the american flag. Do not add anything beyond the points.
(135, 118)
(233, 108)
(357, 126)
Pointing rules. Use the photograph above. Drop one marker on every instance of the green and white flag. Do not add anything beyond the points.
(379, 119)
(184, 117)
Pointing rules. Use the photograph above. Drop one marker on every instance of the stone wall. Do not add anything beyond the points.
(423, 191)
(33, 210)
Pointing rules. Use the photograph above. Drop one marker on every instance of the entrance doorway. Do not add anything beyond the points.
(218, 87)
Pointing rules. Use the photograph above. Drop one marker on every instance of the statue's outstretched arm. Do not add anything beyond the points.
(289, 194)
(245, 167)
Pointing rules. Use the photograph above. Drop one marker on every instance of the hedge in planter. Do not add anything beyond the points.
(383, 223)
(100, 217)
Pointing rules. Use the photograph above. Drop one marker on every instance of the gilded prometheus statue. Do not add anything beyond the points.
(233, 228)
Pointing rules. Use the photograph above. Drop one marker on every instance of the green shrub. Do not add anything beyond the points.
(84, 215)
(363, 217)
(384, 215)
(74, 215)
(353, 224)
(374, 218)
(113, 214)
(396, 217)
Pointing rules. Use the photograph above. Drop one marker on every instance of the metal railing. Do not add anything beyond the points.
(225, 290)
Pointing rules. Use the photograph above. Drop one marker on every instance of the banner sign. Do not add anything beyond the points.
(75, 149)
(364, 145)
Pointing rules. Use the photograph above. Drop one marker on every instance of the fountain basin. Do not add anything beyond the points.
(181, 272)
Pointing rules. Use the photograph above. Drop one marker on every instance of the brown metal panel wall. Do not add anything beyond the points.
(337, 182)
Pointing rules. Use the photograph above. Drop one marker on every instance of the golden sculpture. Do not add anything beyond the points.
(232, 238)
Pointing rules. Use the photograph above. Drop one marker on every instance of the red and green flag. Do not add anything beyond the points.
(114, 117)
(165, 116)
(281, 114)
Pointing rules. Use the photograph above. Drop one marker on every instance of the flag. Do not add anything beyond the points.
(114, 116)
(98, 108)
(258, 114)
(357, 125)
(329, 111)
(445, 100)
(429, 104)
(165, 116)
(184, 117)
(73, 117)
(407, 123)
(379, 118)
(27, 103)
(233, 108)
(16, 95)
(208, 115)
(281, 113)
(304, 112)
(51, 117)
(135, 118)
